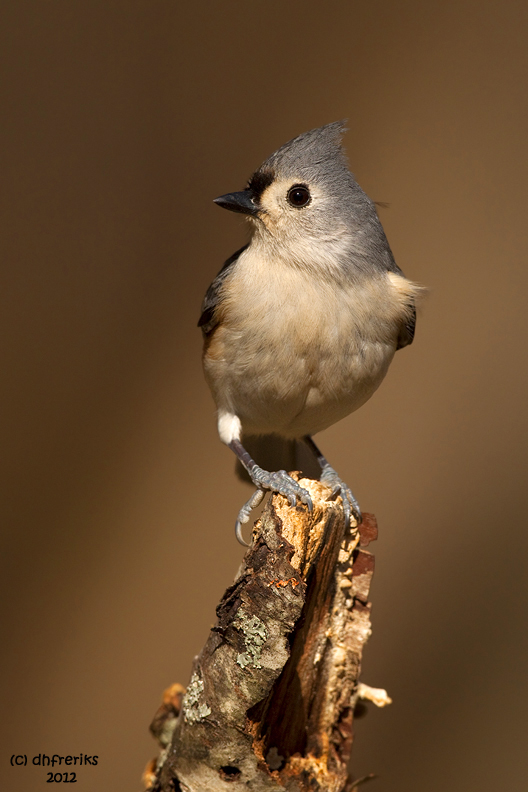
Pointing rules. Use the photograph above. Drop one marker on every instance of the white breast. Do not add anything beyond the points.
(292, 354)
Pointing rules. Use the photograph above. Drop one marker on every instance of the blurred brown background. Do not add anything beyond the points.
(121, 122)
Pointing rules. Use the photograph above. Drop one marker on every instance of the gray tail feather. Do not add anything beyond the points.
(272, 452)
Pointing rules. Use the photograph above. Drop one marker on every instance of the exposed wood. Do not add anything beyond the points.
(271, 699)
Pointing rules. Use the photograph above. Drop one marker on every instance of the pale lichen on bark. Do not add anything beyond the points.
(272, 694)
(194, 707)
(255, 636)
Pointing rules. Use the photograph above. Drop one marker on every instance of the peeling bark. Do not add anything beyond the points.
(271, 699)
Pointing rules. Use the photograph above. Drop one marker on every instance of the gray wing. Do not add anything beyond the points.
(407, 330)
(406, 334)
(207, 320)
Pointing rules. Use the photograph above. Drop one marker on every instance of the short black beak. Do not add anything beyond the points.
(238, 202)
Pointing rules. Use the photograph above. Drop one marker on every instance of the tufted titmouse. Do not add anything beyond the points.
(300, 325)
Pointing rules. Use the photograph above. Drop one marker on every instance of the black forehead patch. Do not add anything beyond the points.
(259, 181)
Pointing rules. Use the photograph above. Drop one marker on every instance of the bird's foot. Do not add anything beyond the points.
(282, 483)
(278, 481)
(245, 511)
(338, 486)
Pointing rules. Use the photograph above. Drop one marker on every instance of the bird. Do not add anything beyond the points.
(301, 324)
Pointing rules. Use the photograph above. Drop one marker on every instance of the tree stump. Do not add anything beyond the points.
(271, 699)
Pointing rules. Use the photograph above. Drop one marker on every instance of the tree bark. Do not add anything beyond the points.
(271, 699)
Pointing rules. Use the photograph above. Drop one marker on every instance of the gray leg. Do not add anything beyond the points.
(279, 482)
(331, 479)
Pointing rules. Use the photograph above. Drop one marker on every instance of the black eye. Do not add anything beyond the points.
(299, 196)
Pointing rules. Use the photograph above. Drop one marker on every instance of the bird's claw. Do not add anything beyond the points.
(278, 481)
(282, 483)
(245, 511)
(350, 504)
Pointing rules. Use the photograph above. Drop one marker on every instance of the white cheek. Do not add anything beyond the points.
(229, 427)
(275, 203)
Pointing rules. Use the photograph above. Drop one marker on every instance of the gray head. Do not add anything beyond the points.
(305, 202)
